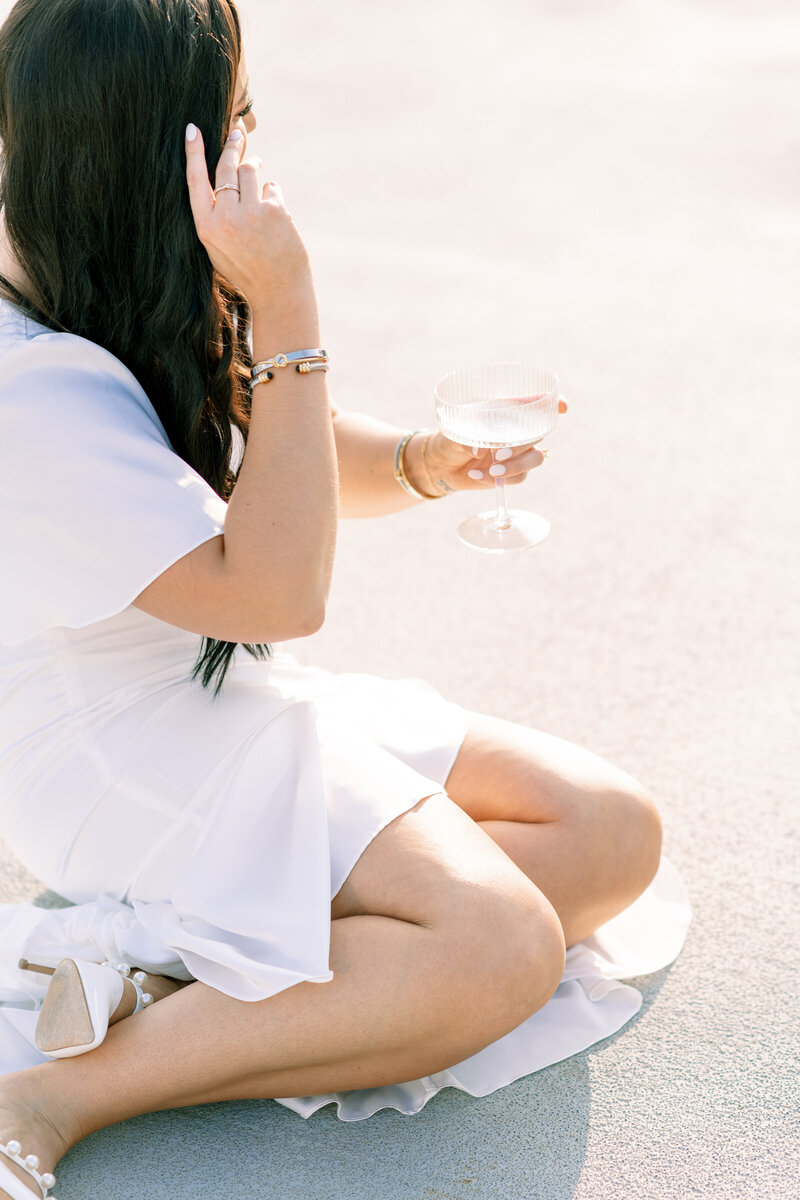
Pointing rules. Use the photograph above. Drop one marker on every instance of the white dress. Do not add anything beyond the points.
(204, 838)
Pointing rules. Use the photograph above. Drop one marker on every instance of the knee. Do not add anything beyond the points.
(534, 940)
(638, 835)
(517, 957)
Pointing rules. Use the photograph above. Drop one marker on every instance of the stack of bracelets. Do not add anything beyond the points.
(400, 467)
(305, 361)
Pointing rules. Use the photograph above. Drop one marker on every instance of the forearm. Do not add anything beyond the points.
(280, 528)
(365, 447)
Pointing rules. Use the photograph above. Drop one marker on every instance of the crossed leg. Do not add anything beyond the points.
(584, 831)
(448, 932)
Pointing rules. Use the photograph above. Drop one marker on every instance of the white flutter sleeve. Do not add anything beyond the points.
(94, 501)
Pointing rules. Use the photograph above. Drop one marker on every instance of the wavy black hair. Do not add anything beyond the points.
(95, 96)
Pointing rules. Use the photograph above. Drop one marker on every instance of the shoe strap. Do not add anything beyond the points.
(143, 998)
(140, 997)
(13, 1152)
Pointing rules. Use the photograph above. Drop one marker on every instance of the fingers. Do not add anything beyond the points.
(249, 186)
(229, 171)
(228, 165)
(201, 194)
(271, 191)
(526, 461)
(508, 465)
(517, 467)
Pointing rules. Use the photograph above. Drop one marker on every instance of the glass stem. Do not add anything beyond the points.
(502, 519)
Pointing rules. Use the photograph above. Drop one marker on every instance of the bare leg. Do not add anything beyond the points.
(440, 943)
(584, 831)
(544, 856)
(439, 946)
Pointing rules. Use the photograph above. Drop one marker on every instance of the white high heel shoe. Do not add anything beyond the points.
(81, 999)
(13, 1186)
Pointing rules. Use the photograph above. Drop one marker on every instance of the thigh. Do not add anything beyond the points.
(451, 944)
(431, 864)
(507, 772)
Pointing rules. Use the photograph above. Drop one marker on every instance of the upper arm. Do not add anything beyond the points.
(100, 512)
(198, 594)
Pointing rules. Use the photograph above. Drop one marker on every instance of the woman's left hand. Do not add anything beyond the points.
(455, 468)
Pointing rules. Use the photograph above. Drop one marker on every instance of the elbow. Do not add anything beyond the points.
(312, 620)
(278, 627)
(280, 621)
(310, 598)
(303, 619)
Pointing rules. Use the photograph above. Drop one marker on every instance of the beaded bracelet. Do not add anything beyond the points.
(400, 469)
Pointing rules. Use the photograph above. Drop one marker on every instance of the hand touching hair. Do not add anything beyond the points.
(95, 97)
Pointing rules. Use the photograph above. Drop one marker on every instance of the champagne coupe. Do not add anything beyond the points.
(491, 406)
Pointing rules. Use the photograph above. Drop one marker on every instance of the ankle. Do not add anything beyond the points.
(152, 987)
(127, 1005)
(26, 1117)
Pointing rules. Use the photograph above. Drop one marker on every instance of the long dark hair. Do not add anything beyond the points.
(95, 96)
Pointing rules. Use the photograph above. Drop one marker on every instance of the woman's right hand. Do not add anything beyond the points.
(250, 237)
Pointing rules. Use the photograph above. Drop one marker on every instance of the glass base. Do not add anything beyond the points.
(481, 531)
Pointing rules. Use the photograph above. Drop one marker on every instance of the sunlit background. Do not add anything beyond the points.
(609, 188)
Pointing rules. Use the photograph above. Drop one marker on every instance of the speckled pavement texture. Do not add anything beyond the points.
(610, 188)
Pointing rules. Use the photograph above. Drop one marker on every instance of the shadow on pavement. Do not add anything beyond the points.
(529, 1141)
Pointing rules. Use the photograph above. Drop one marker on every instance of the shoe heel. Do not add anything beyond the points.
(76, 1010)
(24, 965)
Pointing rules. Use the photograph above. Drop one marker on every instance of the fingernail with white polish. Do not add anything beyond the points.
(191, 132)
(497, 469)
(476, 451)
(235, 135)
(506, 452)
(475, 474)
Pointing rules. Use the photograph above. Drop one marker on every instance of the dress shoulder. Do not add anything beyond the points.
(95, 501)
(67, 377)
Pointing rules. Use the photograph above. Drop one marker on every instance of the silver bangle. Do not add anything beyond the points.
(303, 360)
(301, 369)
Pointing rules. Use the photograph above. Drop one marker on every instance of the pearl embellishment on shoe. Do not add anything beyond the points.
(29, 1164)
(138, 978)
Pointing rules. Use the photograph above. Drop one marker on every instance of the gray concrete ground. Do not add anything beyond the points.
(609, 188)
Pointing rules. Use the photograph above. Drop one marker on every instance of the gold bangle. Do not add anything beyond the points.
(400, 469)
(400, 466)
(436, 495)
(400, 473)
